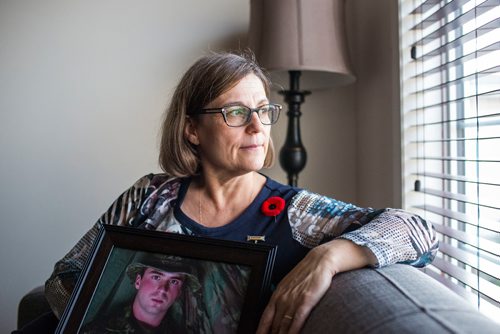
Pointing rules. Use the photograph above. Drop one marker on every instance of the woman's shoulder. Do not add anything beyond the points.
(149, 187)
(155, 180)
(280, 188)
(149, 193)
(301, 197)
(307, 198)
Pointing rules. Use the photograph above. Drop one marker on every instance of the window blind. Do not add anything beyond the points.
(450, 95)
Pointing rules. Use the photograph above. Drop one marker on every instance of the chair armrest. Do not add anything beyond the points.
(394, 299)
(31, 306)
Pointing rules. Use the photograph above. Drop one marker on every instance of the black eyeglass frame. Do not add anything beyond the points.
(247, 121)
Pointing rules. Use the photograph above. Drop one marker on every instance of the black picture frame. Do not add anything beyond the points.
(102, 282)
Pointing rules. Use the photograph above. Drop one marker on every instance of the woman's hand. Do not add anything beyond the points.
(305, 285)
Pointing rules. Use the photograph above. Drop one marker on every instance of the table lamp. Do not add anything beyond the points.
(304, 40)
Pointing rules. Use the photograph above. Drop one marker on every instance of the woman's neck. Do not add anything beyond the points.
(214, 201)
(220, 192)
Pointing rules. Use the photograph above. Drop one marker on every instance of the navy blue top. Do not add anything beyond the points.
(253, 222)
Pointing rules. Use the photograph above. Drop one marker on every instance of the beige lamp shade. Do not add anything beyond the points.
(302, 35)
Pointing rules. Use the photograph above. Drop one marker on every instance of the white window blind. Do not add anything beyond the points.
(450, 90)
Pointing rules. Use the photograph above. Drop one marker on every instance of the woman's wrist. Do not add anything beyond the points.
(343, 255)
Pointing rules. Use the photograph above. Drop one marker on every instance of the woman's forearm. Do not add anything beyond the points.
(393, 235)
(344, 255)
(397, 236)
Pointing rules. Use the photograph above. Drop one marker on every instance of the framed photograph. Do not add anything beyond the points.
(151, 281)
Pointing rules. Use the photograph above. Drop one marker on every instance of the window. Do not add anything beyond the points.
(450, 90)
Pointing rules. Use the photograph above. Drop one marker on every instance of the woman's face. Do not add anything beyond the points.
(232, 150)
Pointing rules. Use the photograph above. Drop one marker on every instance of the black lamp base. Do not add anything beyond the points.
(293, 156)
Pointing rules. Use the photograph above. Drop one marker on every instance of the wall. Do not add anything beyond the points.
(373, 27)
(83, 85)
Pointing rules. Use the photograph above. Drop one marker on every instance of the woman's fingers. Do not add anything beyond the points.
(300, 317)
(296, 295)
(293, 304)
(285, 324)
(266, 320)
(298, 309)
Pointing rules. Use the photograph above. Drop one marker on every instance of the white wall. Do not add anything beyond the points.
(83, 85)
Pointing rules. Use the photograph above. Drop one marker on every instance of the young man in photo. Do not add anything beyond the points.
(159, 282)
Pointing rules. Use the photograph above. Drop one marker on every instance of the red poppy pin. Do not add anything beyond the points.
(273, 206)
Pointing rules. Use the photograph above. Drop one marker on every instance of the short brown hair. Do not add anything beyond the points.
(208, 78)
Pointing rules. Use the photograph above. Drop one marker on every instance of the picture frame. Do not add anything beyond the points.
(224, 283)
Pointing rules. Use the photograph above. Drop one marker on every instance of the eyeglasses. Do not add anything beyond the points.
(235, 116)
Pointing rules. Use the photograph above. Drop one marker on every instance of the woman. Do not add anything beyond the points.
(215, 139)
